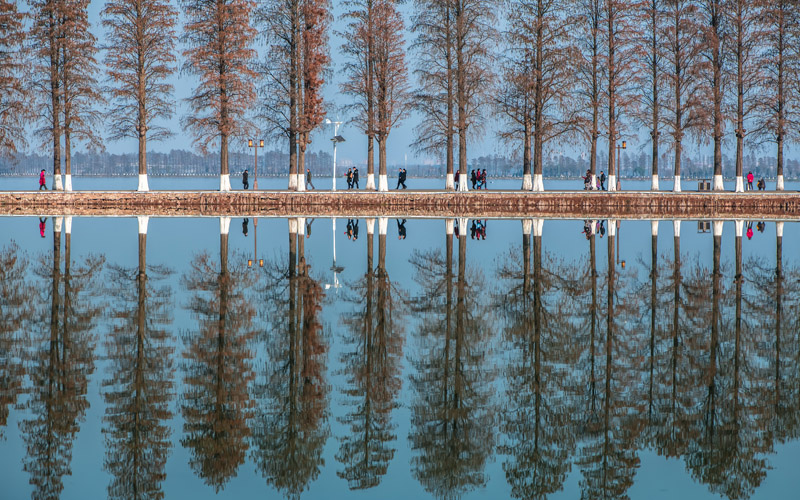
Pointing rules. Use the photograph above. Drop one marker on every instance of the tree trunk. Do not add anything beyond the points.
(55, 97)
(141, 121)
(383, 180)
(527, 183)
(612, 105)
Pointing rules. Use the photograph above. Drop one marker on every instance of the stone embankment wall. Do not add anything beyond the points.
(580, 204)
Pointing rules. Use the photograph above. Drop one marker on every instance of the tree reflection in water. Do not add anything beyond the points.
(372, 365)
(290, 427)
(15, 315)
(61, 359)
(537, 417)
(139, 388)
(215, 404)
(452, 417)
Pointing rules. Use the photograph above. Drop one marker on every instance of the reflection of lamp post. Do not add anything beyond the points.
(624, 146)
(336, 269)
(255, 145)
(336, 139)
(255, 244)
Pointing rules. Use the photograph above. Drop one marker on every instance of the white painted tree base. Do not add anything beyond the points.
(143, 221)
(143, 185)
(225, 183)
(383, 225)
(370, 182)
(293, 226)
(612, 184)
(448, 226)
(739, 184)
(462, 227)
(779, 229)
(538, 226)
(224, 225)
(370, 226)
(293, 182)
(58, 222)
(57, 185)
(779, 185)
(653, 228)
(301, 226)
(654, 183)
(676, 228)
(462, 182)
(739, 225)
(717, 184)
(68, 182)
(717, 227)
(449, 183)
(68, 225)
(301, 182)
(612, 227)
(383, 183)
(526, 226)
(593, 183)
(676, 186)
(538, 184)
(527, 183)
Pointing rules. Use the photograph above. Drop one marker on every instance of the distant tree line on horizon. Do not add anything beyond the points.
(549, 72)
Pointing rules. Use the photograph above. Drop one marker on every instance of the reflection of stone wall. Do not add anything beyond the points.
(362, 204)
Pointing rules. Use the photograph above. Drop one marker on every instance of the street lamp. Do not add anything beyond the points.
(255, 258)
(624, 146)
(336, 139)
(255, 145)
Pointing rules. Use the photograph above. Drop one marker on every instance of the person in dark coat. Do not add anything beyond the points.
(602, 180)
(473, 178)
(355, 178)
(401, 178)
(484, 181)
(245, 182)
(308, 180)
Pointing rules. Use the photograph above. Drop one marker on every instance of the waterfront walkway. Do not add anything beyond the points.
(410, 203)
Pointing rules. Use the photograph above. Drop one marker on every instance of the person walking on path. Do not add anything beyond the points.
(749, 181)
(244, 180)
(483, 180)
(473, 178)
(349, 178)
(401, 178)
(309, 184)
(602, 180)
(458, 176)
(355, 178)
(42, 181)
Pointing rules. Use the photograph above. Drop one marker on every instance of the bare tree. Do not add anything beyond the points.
(359, 70)
(392, 102)
(296, 34)
(139, 62)
(590, 32)
(219, 35)
(454, 39)
(744, 18)
(435, 69)
(683, 110)
(46, 39)
(650, 75)
(79, 84)
(538, 78)
(618, 44)
(778, 118)
(13, 95)
(715, 38)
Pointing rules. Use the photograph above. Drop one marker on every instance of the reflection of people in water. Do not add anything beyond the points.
(761, 226)
(401, 229)
(472, 230)
(308, 227)
(244, 226)
(455, 228)
(601, 228)
(42, 225)
(355, 229)
(587, 228)
(352, 229)
(749, 230)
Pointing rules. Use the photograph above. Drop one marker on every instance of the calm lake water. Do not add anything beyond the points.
(490, 363)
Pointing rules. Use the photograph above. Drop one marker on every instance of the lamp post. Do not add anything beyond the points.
(619, 148)
(255, 258)
(336, 139)
(255, 145)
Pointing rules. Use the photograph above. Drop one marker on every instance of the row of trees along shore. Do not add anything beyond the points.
(549, 71)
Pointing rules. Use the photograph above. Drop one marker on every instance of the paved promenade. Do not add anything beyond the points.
(410, 203)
